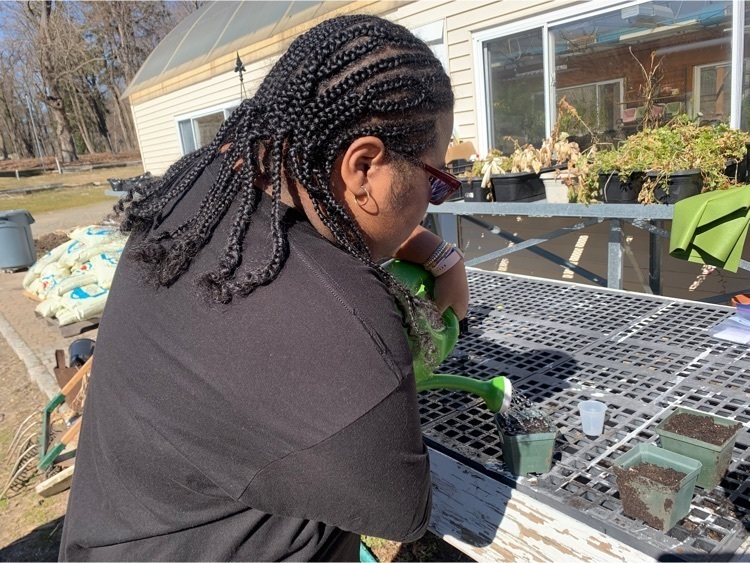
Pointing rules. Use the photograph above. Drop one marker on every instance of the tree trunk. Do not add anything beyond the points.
(81, 122)
(53, 99)
(63, 131)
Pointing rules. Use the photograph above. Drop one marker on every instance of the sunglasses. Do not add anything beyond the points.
(442, 184)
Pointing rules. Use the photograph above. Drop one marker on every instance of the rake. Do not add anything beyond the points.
(48, 452)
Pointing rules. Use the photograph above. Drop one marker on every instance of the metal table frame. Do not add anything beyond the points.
(647, 217)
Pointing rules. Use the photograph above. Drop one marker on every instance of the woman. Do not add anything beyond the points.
(252, 395)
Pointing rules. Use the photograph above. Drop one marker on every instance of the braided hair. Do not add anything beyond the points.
(348, 77)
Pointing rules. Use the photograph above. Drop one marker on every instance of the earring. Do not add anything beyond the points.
(367, 198)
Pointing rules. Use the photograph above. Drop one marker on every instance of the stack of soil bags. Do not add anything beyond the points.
(72, 280)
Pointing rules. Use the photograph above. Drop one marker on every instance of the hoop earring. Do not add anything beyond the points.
(367, 198)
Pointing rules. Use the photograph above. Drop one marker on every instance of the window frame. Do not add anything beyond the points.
(619, 81)
(226, 108)
(697, 70)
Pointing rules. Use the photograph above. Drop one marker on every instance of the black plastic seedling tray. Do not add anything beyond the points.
(642, 355)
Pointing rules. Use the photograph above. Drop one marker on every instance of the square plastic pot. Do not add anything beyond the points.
(658, 505)
(555, 189)
(714, 459)
(527, 453)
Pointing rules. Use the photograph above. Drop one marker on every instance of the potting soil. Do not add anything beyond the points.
(666, 476)
(524, 418)
(700, 428)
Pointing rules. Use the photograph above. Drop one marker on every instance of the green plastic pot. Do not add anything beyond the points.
(714, 459)
(527, 453)
(663, 506)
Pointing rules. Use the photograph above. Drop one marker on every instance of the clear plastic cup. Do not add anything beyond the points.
(592, 417)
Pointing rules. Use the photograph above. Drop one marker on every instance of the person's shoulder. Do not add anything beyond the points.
(352, 292)
(356, 284)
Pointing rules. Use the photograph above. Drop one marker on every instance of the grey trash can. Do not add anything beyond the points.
(16, 243)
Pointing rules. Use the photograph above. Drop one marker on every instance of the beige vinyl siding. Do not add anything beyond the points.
(157, 118)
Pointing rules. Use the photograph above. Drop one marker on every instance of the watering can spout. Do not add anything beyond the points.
(497, 392)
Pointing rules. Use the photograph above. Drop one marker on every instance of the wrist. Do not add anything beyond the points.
(445, 260)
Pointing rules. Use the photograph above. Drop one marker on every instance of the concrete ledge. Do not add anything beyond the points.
(36, 370)
(32, 189)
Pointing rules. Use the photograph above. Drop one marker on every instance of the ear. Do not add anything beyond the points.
(360, 164)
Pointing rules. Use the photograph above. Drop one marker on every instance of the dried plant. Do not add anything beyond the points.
(649, 90)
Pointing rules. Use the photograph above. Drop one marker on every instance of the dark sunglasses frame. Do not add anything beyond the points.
(443, 184)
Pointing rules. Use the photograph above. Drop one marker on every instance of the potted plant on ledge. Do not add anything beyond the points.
(669, 163)
(509, 178)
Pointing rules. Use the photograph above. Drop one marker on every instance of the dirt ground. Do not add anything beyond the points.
(30, 526)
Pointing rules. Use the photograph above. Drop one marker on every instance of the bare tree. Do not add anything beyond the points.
(66, 64)
(41, 18)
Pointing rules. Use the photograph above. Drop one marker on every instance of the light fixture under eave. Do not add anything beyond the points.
(649, 14)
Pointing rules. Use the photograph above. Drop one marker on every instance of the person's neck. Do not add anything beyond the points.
(295, 196)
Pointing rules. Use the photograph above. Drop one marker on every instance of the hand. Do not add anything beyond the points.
(452, 290)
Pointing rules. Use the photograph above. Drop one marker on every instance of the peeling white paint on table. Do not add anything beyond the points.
(490, 521)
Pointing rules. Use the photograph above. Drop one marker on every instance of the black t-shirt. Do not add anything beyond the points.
(279, 427)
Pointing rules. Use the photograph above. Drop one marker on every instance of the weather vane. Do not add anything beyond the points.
(239, 67)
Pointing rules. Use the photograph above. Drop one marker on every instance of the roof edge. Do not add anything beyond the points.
(187, 74)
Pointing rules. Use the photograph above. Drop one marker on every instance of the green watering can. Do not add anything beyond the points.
(497, 392)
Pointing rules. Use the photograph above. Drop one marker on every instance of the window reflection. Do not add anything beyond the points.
(516, 89)
(601, 65)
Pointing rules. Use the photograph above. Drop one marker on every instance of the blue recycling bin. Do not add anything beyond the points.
(16, 243)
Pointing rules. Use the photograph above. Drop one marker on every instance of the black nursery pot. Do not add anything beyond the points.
(473, 192)
(615, 190)
(737, 170)
(681, 183)
(517, 187)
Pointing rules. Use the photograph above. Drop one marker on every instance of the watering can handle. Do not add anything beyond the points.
(421, 283)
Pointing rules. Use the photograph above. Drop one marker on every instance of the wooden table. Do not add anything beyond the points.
(561, 343)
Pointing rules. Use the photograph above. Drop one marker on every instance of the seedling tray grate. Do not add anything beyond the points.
(652, 355)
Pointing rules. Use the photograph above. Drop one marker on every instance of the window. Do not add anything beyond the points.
(711, 91)
(600, 61)
(515, 89)
(198, 130)
(432, 34)
(598, 104)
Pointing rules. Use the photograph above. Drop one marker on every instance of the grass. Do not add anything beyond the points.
(77, 179)
(54, 200)
(77, 190)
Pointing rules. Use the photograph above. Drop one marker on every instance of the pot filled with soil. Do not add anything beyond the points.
(527, 437)
(706, 437)
(472, 191)
(556, 189)
(656, 485)
(521, 186)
